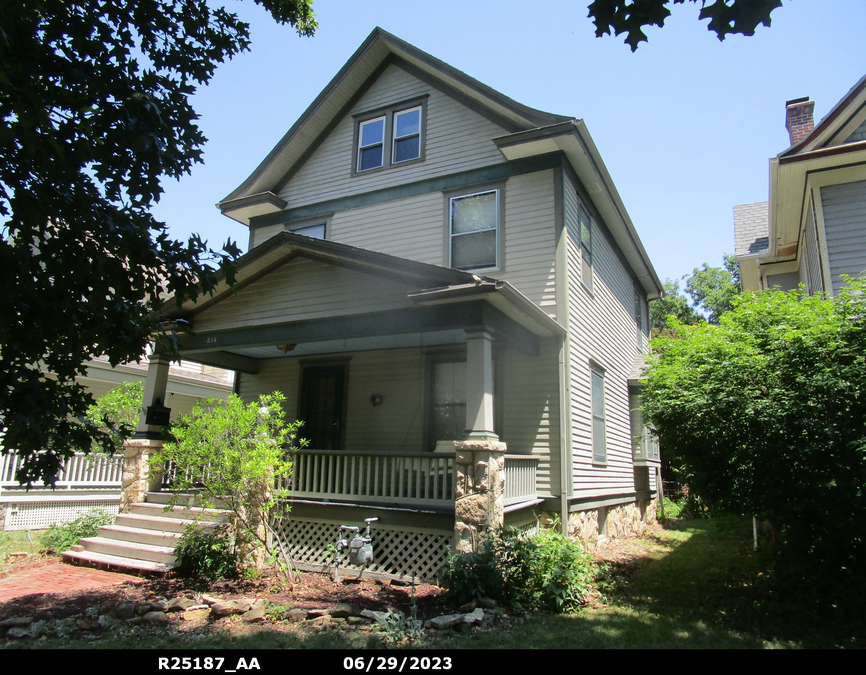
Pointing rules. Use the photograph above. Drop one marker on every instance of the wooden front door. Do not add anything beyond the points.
(323, 406)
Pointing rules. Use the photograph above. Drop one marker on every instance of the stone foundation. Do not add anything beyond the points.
(613, 522)
(480, 496)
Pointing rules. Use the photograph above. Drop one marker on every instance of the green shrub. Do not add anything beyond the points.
(59, 538)
(544, 571)
(207, 553)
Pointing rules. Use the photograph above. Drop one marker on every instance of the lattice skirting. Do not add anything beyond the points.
(39, 515)
(397, 551)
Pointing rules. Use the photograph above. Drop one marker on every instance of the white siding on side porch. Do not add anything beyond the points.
(602, 331)
(457, 139)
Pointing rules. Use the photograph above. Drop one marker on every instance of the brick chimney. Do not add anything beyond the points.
(798, 118)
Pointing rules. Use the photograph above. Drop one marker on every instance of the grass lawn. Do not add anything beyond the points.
(695, 584)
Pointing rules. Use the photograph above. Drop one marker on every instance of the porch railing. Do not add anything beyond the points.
(520, 472)
(80, 471)
(416, 478)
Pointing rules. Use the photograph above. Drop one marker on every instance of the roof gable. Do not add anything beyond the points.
(844, 124)
(377, 51)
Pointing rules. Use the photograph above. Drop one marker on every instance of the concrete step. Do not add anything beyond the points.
(145, 538)
(94, 559)
(140, 535)
(181, 512)
(158, 523)
(185, 499)
(129, 549)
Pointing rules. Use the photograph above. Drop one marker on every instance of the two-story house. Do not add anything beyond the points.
(449, 291)
(813, 229)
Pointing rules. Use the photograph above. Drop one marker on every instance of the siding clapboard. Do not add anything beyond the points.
(458, 139)
(602, 330)
(844, 208)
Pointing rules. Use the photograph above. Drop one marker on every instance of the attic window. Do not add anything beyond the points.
(371, 144)
(390, 136)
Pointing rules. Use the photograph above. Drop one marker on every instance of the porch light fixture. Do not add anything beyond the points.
(376, 400)
(285, 349)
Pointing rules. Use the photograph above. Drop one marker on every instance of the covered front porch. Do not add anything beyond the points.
(425, 391)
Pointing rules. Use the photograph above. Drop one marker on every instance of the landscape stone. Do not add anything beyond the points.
(16, 621)
(18, 632)
(196, 614)
(179, 604)
(445, 621)
(209, 599)
(487, 603)
(158, 606)
(229, 607)
(255, 615)
(468, 607)
(345, 610)
(124, 611)
(373, 615)
(297, 615)
(156, 617)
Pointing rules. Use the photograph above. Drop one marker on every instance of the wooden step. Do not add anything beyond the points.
(160, 524)
(140, 535)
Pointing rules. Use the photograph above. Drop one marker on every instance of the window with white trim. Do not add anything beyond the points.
(407, 135)
(473, 222)
(599, 417)
(316, 230)
(371, 144)
(390, 136)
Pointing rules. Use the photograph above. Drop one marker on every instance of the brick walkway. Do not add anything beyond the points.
(56, 577)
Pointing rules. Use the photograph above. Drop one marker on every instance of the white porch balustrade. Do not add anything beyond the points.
(80, 471)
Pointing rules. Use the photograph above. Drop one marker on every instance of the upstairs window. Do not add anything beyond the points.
(474, 230)
(389, 136)
(407, 135)
(371, 144)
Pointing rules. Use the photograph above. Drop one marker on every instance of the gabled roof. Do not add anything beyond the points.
(751, 229)
(435, 284)
(836, 127)
(376, 51)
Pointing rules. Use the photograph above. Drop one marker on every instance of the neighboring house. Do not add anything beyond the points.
(446, 286)
(94, 482)
(813, 229)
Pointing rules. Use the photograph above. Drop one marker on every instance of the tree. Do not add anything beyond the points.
(671, 304)
(765, 414)
(117, 412)
(726, 17)
(94, 99)
(239, 456)
(714, 289)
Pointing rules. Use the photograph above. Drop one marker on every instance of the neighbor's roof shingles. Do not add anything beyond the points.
(751, 228)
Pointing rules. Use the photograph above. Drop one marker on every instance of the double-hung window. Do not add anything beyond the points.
(474, 230)
(407, 135)
(371, 144)
(599, 417)
(390, 136)
(585, 247)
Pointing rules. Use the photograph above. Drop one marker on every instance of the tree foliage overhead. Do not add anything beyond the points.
(714, 289)
(95, 109)
(672, 304)
(726, 17)
(765, 414)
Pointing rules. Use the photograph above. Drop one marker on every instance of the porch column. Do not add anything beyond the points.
(480, 457)
(479, 385)
(138, 477)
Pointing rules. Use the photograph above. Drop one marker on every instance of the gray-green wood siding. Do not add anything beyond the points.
(602, 330)
(457, 139)
(810, 265)
(844, 208)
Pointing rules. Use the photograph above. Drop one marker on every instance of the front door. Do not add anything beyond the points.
(322, 406)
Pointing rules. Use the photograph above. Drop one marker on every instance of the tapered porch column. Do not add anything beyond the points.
(138, 478)
(479, 385)
(480, 458)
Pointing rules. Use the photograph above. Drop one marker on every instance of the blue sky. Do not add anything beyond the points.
(685, 125)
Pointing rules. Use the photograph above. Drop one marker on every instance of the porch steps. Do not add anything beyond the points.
(144, 539)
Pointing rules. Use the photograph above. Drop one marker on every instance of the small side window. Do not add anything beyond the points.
(599, 417)
(371, 144)
(316, 230)
(586, 248)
